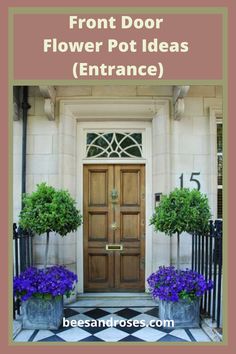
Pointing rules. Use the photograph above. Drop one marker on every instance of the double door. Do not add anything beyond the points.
(114, 227)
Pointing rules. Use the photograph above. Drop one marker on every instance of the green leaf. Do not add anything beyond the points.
(184, 210)
(48, 209)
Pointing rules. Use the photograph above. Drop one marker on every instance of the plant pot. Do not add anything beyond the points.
(184, 313)
(42, 314)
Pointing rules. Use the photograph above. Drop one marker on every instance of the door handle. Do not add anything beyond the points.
(114, 226)
(114, 195)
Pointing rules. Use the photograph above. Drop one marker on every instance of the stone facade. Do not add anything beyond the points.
(178, 147)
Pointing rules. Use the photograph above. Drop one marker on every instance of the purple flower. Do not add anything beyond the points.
(170, 284)
(52, 281)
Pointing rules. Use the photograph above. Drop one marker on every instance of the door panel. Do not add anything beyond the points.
(129, 226)
(114, 213)
(129, 186)
(129, 267)
(98, 187)
(99, 265)
(130, 216)
(98, 226)
(97, 213)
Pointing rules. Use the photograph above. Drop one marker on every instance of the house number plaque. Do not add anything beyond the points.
(192, 179)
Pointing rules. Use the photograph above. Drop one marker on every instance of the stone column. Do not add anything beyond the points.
(161, 178)
(67, 180)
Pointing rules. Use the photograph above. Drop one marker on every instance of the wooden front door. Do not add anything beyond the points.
(114, 227)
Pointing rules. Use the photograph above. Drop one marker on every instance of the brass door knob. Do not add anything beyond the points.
(114, 194)
(114, 226)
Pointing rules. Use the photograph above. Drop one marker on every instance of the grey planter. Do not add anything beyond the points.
(184, 313)
(42, 314)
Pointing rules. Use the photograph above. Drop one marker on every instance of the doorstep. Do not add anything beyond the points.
(113, 300)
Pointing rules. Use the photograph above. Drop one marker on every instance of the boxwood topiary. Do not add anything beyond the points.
(46, 210)
(183, 210)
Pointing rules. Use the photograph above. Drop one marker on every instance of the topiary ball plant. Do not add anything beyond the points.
(183, 210)
(49, 210)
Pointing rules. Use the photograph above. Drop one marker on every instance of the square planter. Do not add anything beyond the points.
(184, 313)
(42, 314)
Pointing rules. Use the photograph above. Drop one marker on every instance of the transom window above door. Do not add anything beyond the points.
(114, 145)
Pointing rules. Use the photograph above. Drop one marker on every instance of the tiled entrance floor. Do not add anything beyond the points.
(118, 309)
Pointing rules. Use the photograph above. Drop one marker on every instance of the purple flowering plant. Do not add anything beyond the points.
(170, 284)
(44, 283)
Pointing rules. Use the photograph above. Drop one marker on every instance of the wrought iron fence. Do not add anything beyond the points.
(207, 260)
(22, 258)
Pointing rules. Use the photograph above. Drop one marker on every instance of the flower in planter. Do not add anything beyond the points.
(44, 283)
(170, 284)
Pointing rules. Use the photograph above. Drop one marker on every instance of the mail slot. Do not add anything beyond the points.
(114, 247)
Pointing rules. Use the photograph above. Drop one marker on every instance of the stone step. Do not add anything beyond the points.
(113, 300)
(138, 296)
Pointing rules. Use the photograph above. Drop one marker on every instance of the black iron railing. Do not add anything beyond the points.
(22, 258)
(207, 260)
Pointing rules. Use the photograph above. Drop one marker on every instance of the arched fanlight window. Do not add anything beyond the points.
(114, 145)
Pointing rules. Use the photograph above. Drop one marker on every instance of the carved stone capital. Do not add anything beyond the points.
(49, 109)
(179, 109)
(179, 93)
(49, 94)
